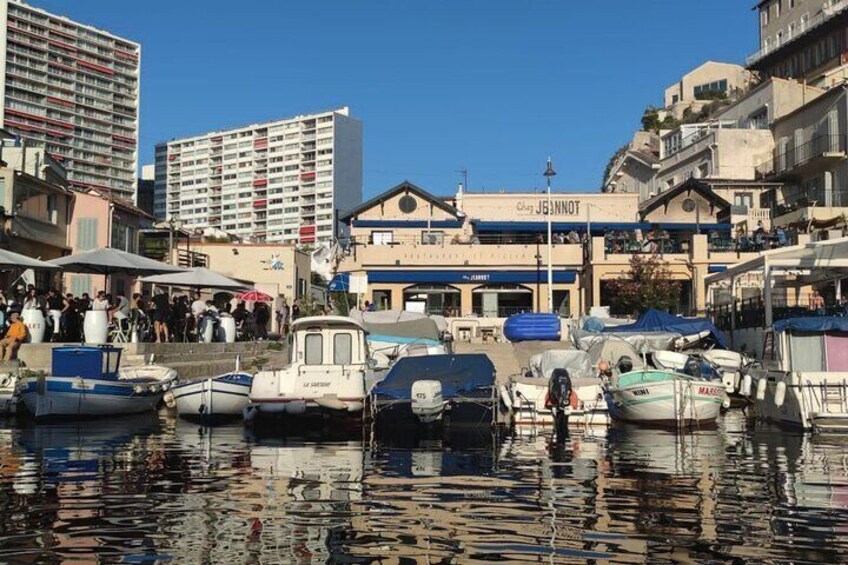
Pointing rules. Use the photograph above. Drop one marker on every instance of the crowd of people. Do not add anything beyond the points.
(157, 318)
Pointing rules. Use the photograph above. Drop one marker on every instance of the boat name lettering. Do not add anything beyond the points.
(319, 384)
(641, 392)
(710, 391)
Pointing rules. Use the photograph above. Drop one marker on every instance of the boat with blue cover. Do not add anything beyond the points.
(88, 381)
(436, 389)
(224, 396)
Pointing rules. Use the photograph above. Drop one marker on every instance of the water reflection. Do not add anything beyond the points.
(155, 489)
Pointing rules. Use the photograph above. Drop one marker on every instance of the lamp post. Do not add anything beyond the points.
(549, 172)
(173, 223)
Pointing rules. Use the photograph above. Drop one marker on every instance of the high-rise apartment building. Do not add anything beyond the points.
(280, 181)
(74, 90)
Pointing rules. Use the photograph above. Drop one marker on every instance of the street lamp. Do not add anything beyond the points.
(549, 172)
(173, 224)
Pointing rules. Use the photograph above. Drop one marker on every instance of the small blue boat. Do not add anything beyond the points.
(87, 381)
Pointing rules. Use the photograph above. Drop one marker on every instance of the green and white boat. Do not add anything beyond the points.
(661, 397)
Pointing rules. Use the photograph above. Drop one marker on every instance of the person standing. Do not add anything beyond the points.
(161, 316)
(100, 301)
(55, 305)
(295, 310)
(283, 318)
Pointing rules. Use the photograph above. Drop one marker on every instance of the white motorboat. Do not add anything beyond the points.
(8, 387)
(526, 395)
(664, 395)
(330, 372)
(87, 381)
(808, 386)
(224, 396)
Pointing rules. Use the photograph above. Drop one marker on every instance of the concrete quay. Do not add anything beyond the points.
(190, 360)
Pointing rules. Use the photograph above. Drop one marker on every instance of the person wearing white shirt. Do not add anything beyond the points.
(198, 307)
(100, 302)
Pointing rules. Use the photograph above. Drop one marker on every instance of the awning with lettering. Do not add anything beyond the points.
(460, 276)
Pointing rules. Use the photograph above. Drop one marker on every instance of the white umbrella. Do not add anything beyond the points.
(198, 277)
(109, 261)
(10, 259)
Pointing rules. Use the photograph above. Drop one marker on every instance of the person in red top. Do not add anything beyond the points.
(15, 336)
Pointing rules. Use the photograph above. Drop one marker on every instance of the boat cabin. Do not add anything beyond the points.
(329, 340)
(91, 362)
(813, 344)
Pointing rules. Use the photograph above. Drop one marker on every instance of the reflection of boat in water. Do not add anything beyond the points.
(8, 387)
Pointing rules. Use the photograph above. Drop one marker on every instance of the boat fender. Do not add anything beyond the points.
(166, 386)
(5, 380)
(780, 394)
(169, 399)
(761, 389)
(725, 402)
(505, 397)
(745, 389)
(138, 389)
(155, 388)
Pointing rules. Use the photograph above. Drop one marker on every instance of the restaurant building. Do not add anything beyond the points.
(486, 255)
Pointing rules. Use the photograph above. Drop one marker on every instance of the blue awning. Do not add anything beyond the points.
(412, 224)
(716, 268)
(812, 324)
(479, 277)
(340, 283)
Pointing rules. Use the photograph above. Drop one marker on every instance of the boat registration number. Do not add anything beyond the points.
(641, 392)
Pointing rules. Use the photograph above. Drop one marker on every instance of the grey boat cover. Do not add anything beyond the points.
(576, 362)
(647, 341)
(398, 323)
(611, 350)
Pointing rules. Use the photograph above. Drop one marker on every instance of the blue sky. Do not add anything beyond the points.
(494, 86)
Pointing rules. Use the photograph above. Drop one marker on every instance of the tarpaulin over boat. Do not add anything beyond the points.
(576, 362)
(398, 324)
(812, 324)
(656, 321)
(459, 374)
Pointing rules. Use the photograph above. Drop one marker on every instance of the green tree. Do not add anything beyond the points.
(648, 285)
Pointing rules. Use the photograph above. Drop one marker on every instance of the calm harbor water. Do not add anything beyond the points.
(154, 489)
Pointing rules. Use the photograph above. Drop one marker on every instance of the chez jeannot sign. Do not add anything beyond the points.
(559, 207)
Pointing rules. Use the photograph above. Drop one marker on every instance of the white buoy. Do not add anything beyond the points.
(505, 397)
(761, 388)
(780, 394)
(745, 389)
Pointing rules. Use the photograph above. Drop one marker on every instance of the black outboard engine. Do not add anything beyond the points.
(692, 368)
(559, 395)
(624, 365)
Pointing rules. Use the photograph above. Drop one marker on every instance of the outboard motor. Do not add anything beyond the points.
(692, 368)
(559, 398)
(624, 365)
(427, 403)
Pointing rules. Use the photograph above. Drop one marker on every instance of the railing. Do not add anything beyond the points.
(631, 243)
(751, 312)
(436, 238)
(828, 11)
(752, 243)
(794, 157)
(190, 259)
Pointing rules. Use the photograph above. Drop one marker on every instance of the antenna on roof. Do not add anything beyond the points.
(464, 173)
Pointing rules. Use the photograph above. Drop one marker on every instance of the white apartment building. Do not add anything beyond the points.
(280, 181)
(73, 90)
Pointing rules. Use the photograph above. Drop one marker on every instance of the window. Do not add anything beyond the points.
(764, 16)
(759, 119)
(777, 6)
(342, 349)
(432, 237)
(86, 234)
(743, 199)
(382, 237)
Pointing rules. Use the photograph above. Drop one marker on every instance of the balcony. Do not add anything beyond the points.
(834, 8)
(810, 158)
(494, 250)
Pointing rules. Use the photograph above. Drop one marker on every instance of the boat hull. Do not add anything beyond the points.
(811, 400)
(225, 396)
(458, 412)
(61, 397)
(527, 403)
(673, 402)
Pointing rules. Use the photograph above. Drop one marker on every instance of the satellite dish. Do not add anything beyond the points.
(407, 204)
(689, 205)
